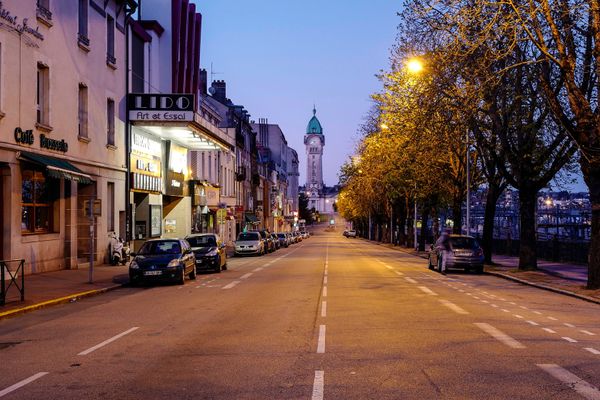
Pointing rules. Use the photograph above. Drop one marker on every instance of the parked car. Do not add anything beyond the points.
(209, 251)
(465, 253)
(249, 243)
(275, 239)
(163, 259)
(350, 233)
(269, 242)
(283, 239)
(298, 236)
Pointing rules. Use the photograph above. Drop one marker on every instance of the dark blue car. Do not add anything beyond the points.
(163, 259)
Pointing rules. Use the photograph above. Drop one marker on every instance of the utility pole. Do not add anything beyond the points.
(468, 217)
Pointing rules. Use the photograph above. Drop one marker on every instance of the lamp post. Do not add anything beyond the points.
(468, 205)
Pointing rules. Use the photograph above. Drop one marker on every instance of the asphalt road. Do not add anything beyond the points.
(329, 318)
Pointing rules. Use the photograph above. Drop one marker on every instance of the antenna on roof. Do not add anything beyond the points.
(212, 73)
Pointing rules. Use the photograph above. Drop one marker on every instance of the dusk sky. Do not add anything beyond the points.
(280, 57)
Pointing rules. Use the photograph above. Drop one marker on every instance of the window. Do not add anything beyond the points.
(42, 95)
(110, 123)
(110, 204)
(36, 202)
(137, 64)
(83, 23)
(110, 40)
(82, 115)
(43, 12)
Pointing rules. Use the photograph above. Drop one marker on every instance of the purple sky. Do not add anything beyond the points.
(280, 57)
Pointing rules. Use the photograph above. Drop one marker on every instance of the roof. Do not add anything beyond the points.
(314, 126)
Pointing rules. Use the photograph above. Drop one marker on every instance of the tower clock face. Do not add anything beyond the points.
(314, 141)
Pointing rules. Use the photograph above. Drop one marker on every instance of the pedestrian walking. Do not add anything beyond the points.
(443, 243)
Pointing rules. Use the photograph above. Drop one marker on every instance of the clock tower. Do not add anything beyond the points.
(314, 142)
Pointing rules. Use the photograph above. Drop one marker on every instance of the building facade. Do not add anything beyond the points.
(62, 158)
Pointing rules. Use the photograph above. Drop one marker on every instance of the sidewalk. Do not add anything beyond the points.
(50, 288)
(567, 279)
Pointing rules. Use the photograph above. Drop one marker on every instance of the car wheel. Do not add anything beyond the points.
(181, 279)
(225, 265)
(218, 269)
(479, 269)
(430, 265)
(192, 274)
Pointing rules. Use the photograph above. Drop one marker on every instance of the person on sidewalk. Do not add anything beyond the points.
(443, 243)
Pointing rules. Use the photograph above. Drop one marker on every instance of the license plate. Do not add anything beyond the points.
(147, 273)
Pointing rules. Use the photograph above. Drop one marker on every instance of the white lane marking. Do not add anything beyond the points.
(325, 272)
(587, 332)
(425, 289)
(524, 308)
(532, 323)
(512, 303)
(552, 319)
(318, 384)
(499, 335)
(477, 297)
(568, 339)
(573, 381)
(399, 273)
(453, 307)
(505, 310)
(257, 269)
(411, 280)
(501, 299)
(548, 330)
(569, 325)
(112, 339)
(485, 301)
(22, 383)
(592, 350)
(494, 305)
(460, 290)
(325, 280)
(323, 309)
(325, 291)
(518, 316)
(537, 312)
(248, 275)
(321, 342)
(389, 267)
(231, 285)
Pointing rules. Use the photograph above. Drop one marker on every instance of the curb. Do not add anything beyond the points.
(542, 286)
(60, 300)
(515, 279)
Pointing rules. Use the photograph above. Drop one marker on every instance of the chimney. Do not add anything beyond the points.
(219, 91)
(203, 81)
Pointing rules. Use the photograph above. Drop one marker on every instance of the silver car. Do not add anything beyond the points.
(465, 252)
(249, 243)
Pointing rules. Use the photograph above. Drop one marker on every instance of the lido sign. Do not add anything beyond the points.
(154, 107)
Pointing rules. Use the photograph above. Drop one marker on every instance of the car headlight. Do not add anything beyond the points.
(174, 263)
(212, 253)
(134, 265)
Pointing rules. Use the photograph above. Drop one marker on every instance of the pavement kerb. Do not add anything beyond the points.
(508, 277)
(60, 300)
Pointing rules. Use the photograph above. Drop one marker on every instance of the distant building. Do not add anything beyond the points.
(320, 197)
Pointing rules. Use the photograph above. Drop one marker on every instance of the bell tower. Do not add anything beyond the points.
(314, 142)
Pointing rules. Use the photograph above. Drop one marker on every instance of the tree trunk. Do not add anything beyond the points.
(424, 222)
(487, 239)
(591, 175)
(457, 216)
(528, 236)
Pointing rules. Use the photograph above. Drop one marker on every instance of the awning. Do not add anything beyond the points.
(56, 168)
(250, 218)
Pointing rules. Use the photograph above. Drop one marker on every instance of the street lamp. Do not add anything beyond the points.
(414, 65)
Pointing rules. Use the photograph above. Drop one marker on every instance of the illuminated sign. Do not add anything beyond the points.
(161, 107)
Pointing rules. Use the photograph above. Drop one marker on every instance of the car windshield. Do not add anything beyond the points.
(248, 236)
(463, 243)
(202, 241)
(161, 247)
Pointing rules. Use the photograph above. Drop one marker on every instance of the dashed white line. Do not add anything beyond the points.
(518, 316)
(524, 308)
(573, 381)
(505, 310)
(323, 309)
(321, 342)
(325, 291)
(552, 319)
(592, 350)
(568, 339)
(399, 273)
(425, 289)
(587, 332)
(231, 285)
(257, 269)
(453, 307)
(532, 323)
(389, 267)
(325, 280)
(548, 330)
(494, 305)
(318, 385)
(569, 325)
(537, 312)
(499, 335)
(22, 383)
(410, 280)
(248, 275)
(485, 301)
(512, 303)
(112, 339)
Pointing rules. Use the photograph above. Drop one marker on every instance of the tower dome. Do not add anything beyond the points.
(314, 126)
